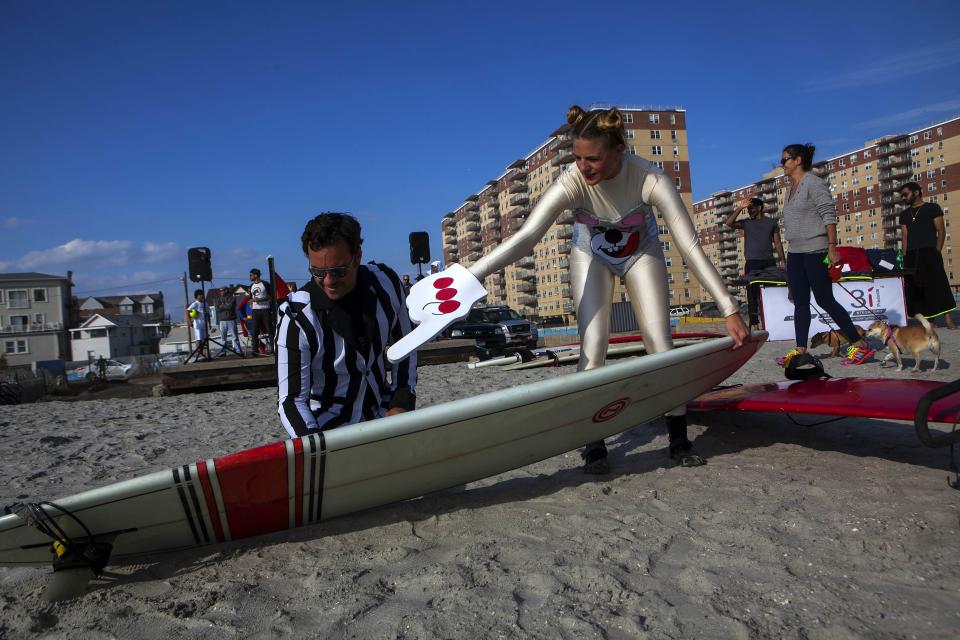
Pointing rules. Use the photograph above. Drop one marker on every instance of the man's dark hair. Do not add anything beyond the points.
(329, 228)
(912, 186)
(197, 292)
(756, 201)
(255, 272)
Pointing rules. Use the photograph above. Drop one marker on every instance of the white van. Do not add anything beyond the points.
(677, 312)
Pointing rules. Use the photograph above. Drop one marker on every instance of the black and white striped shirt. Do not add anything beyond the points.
(328, 378)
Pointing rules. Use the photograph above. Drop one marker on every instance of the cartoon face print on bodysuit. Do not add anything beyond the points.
(615, 242)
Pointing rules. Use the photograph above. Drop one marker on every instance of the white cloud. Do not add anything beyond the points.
(13, 222)
(160, 251)
(912, 116)
(79, 254)
(890, 69)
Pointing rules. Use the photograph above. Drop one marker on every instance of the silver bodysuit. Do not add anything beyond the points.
(615, 234)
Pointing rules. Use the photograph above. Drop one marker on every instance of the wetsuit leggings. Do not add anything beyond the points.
(806, 272)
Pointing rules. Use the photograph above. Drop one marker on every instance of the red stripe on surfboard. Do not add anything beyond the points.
(298, 481)
(253, 484)
(210, 499)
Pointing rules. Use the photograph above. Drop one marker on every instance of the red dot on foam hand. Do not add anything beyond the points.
(449, 306)
(442, 283)
(446, 294)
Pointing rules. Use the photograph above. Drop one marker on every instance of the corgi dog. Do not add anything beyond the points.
(912, 339)
(832, 339)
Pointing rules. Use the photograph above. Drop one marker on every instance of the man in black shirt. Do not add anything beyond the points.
(928, 289)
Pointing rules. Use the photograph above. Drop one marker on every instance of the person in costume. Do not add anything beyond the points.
(333, 332)
(810, 228)
(197, 312)
(923, 233)
(612, 195)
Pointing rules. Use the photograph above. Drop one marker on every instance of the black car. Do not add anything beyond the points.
(496, 329)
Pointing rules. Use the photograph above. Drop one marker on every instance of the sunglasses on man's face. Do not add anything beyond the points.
(783, 161)
(336, 273)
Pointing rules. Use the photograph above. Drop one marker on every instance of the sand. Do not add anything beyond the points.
(844, 530)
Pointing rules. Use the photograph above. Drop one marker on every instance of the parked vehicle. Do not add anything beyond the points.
(115, 371)
(677, 312)
(496, 328)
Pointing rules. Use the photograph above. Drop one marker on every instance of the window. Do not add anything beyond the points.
(39, 318)
(659, 164)
(628, 118)
(2, 296)
(673, 134)
(19, 323)
(654, 134)
(656, 150)
(676, 150)
(631, 134)
(669, 261)
(927, 135)
(676, 166)
(15, 346)
(17, 299)
(677, 182)
(673, 119)
(665, 245)
(654, 118)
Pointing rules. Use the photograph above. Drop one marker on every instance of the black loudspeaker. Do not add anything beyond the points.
(199, 259)
(419, 247)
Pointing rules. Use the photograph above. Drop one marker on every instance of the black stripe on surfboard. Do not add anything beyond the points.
(186, 506)
(196, 502)
(317, 469)
(323, 469)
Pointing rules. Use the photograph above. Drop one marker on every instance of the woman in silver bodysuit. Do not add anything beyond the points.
(612, 195)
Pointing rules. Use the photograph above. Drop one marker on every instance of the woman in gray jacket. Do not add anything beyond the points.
(810, 228)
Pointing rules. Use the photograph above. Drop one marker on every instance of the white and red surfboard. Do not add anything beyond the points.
(298, 482)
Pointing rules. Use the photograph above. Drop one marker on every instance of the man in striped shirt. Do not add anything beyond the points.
(333, 333)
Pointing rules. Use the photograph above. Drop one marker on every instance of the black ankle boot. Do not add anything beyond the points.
(595, 458)
(681, 449)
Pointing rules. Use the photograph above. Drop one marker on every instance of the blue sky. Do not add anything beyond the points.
(131, 131)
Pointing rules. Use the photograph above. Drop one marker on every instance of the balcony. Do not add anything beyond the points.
(526, 262)
(492, 223)
(473, 206)
(472, 245)
(562, 158)
(519, 199)
(894, 160)
(472, 235)
(526, 286)
(518, 187)
(472, 226)
(473, 214)
(518, 212)
(517, 174)
(524, 274)
(566, 217)
(527, 300)
(565, 232)
(34, 327)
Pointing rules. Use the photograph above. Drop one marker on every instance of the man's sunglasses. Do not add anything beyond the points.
(783, 161)
(337, 273)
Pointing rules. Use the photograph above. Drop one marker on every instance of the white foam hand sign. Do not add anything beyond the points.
(435, 303)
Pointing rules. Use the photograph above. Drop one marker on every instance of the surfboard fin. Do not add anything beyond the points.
(76, 560)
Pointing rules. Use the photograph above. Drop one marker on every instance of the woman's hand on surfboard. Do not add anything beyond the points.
(436, 302)
(737, 330)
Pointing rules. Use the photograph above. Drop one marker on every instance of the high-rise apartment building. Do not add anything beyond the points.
(539, 283)
(864, 184)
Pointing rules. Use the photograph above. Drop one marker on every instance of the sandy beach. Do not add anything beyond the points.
(843, 530)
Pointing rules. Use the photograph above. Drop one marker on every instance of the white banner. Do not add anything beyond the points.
(864, 300)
